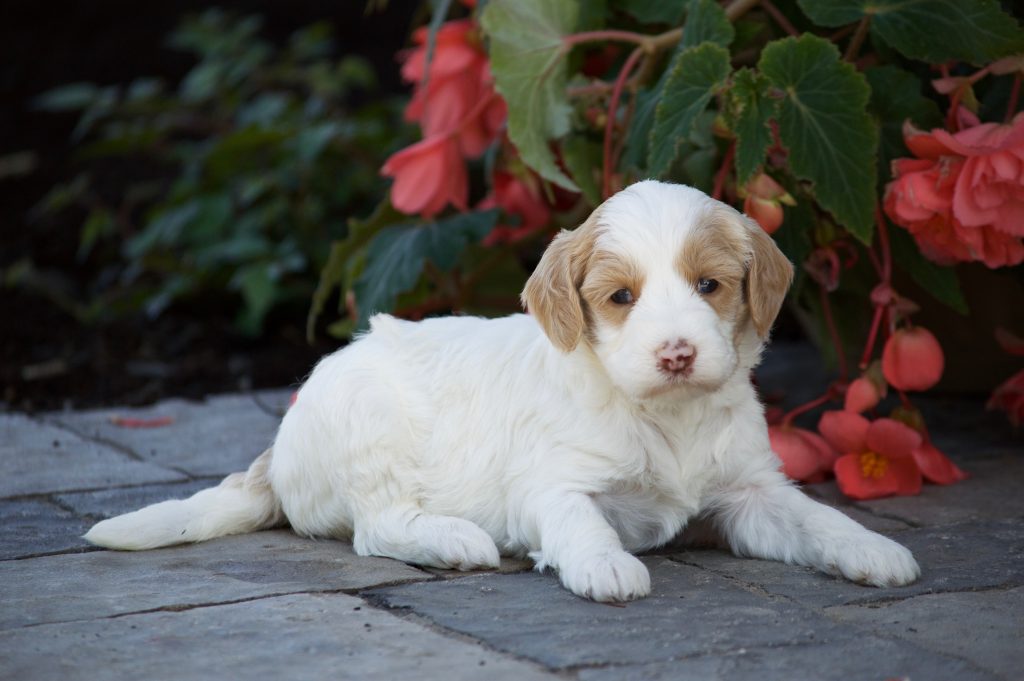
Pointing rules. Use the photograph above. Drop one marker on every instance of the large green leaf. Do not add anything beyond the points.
(896, 97)
(975, 31)
(397, 255)
(583, 159)
(705, 22)
(824, 124)
(696, 75)
(752, 109)
(528, 62)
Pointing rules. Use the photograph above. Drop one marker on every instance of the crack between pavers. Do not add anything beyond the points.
(91, 437)
(892, 600)
(264, 407)
(86, 490)
(185, 607)
(62, 552)
(406, 613)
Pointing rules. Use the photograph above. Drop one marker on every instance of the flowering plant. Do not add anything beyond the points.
(822, 118)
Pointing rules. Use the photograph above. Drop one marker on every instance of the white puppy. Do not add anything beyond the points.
(593, 429)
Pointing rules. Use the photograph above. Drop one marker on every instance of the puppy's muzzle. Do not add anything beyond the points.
(676, 357)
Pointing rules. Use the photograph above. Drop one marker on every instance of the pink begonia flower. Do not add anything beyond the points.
(962, 197)
(912, 359)
(805, 456)
(428, 176)
(1009, 396)
(521, 197)
(878, 456)
(763, 202)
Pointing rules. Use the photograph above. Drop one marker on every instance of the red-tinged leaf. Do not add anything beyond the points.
(134, 422)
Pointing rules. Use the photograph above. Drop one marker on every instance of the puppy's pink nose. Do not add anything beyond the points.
(676, 356)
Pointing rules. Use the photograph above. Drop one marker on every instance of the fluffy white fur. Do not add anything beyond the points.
(450, 441)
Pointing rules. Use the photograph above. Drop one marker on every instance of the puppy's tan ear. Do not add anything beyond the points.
(552, 293)
(769, 275)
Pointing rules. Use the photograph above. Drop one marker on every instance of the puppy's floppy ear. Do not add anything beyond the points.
(552, 292)
(769, 275)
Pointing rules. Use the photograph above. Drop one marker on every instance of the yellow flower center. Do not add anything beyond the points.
(873, 465)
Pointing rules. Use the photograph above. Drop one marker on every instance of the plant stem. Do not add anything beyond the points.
(780, 18)
(834, 333)
(600, 36)
(716, 192)
(883, 241)
(869, 346)
(609, 126)
(858, 39)
(1011, 106)
(787, 419)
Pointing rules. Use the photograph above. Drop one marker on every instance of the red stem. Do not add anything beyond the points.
(719, 187)
(869, 347)
(834, 333)
(780, 19)
(1011, 106)
(609, 126)
(787, 420)
(883, 242)
(596, 36)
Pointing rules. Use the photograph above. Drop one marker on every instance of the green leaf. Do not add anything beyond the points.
(794, 238)
(697, 74)
(975, 31)
(397, 255)
(582, 158)
(333, 274)
(824, 124)
(530, 72)
(752, 109)
(653, 11)
(941, 282)
(706, 22)
(66, 97)
(258, 285)
(896, 97)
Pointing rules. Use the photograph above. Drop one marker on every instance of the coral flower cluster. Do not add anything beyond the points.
(459, 112)
(962, 196)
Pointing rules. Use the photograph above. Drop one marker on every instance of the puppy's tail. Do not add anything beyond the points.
(243, 502)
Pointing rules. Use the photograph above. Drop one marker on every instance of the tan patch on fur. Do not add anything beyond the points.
(552, 291)
(717, 250)
(768, 280)
(607, 273)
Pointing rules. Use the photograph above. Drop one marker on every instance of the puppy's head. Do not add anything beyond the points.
(669, 288)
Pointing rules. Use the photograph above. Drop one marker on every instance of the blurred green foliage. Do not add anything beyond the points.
(238, 180)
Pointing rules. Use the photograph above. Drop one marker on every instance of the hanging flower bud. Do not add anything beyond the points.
(763, 202)
(912, 359)
(867, 391)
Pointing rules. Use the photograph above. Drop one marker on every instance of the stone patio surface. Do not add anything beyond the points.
(275, 606)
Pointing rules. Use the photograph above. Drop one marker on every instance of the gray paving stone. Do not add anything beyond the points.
(960, 557)
(104, 583)
(38, 458)
(984, 627)
(994, 491)
(220, 436)
(34, 526)
(290, 637)
(106, 503)
(862, 658)
(689, 612)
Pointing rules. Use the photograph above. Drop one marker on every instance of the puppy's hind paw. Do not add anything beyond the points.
(607, 577)
(874, 560)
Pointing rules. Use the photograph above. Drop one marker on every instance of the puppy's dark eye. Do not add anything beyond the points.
(706, 286)
(622, 297)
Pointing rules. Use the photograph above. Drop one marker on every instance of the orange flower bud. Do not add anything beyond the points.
(912, 359)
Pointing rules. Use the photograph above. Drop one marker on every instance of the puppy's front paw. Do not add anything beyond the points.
(613, 576)
(871, 559)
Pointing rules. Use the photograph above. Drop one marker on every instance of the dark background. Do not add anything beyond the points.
(47, 359)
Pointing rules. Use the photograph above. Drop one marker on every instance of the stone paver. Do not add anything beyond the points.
(273, 605)
(106, 503)
(34, 526)
(992, 636)
(218, 436)
(532, 616)
(300, 637)
(38, 458)
(104, 583)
